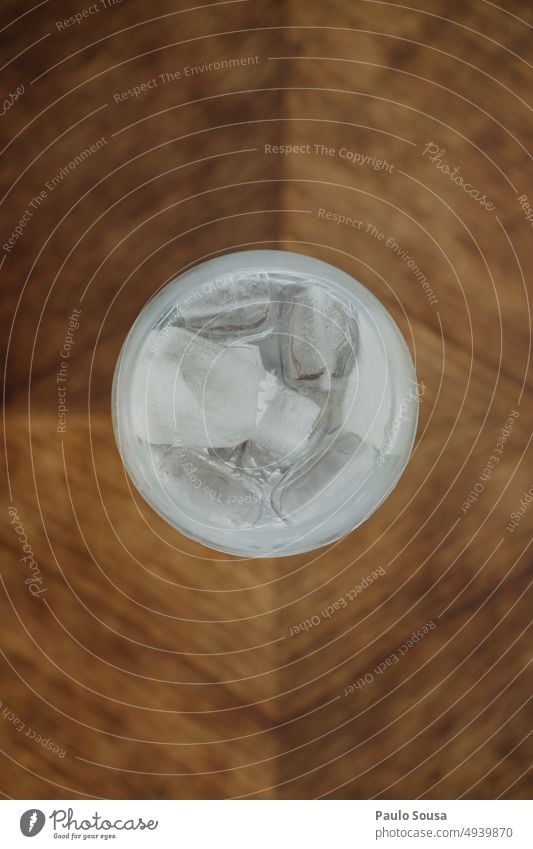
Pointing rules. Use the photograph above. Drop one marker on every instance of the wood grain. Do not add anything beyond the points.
(164, 669)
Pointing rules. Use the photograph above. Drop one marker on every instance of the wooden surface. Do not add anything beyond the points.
(158, 668)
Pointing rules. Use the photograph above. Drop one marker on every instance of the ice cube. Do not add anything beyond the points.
(285, 418)
(159, 399)
(269, 347)
(319, 337)
(231, 455)
(190, 390)
(330, 403)
(367, 407)
(257, 461)
(249, 352)
(209, 488)
(236, 305)
(334, 473)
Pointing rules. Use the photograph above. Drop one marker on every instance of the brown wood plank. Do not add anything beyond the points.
(159, 667)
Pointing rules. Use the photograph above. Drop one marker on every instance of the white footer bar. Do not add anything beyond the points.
(258, 824)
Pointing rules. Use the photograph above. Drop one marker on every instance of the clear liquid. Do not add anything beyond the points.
(265, 408)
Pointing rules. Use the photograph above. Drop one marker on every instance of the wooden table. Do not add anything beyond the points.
(136, 663)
